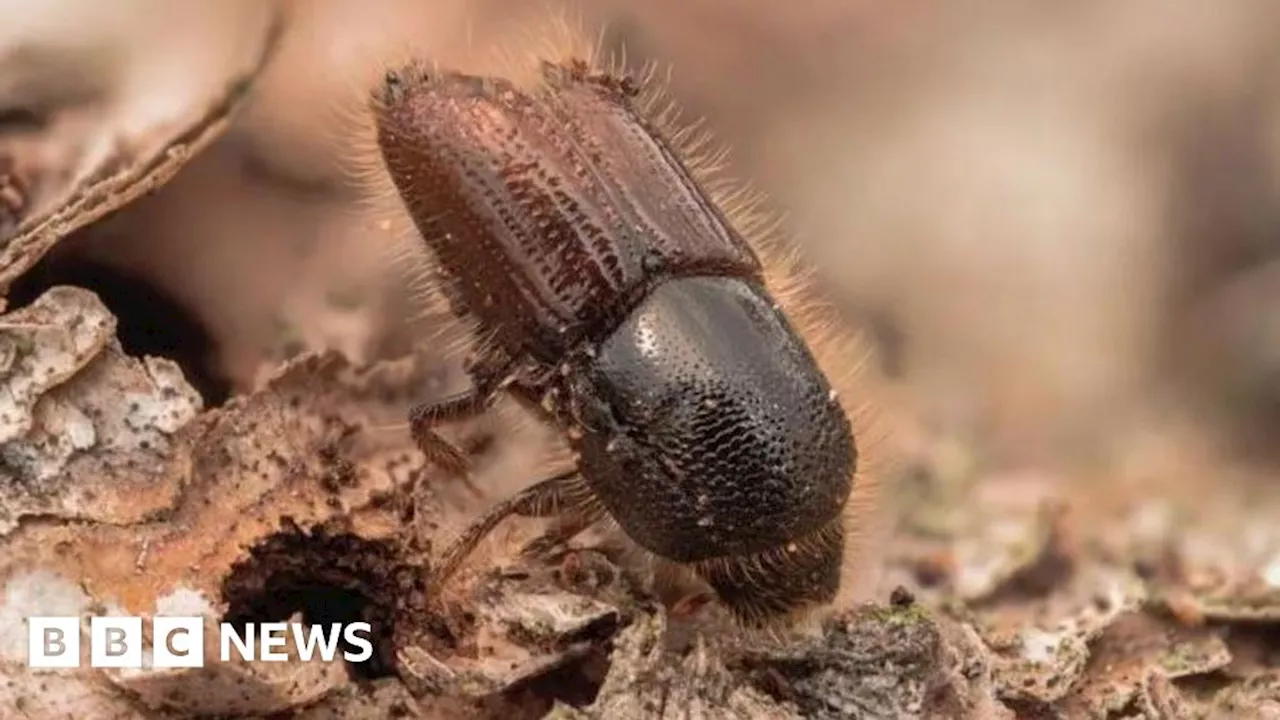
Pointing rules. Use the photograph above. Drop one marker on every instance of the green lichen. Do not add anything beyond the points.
(901, 615)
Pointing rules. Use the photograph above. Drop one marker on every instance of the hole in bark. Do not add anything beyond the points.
(150, 320)
(327, 578)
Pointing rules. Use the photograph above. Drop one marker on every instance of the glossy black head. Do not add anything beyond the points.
(721, 436)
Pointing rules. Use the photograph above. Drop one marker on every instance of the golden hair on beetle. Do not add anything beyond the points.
(558, 38)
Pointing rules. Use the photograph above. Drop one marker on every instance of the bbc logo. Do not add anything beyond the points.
(115, 642)
(178, 642)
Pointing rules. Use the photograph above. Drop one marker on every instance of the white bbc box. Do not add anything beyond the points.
(53, 642)
(115, 642)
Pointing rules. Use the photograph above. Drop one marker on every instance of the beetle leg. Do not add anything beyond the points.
(488, 379)
(575, 509)
(545, 499)
(564, 529)
(439, 451)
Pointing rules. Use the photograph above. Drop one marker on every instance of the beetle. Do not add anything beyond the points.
(614, 297)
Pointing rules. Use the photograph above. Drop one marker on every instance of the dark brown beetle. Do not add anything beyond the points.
(613, 295)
